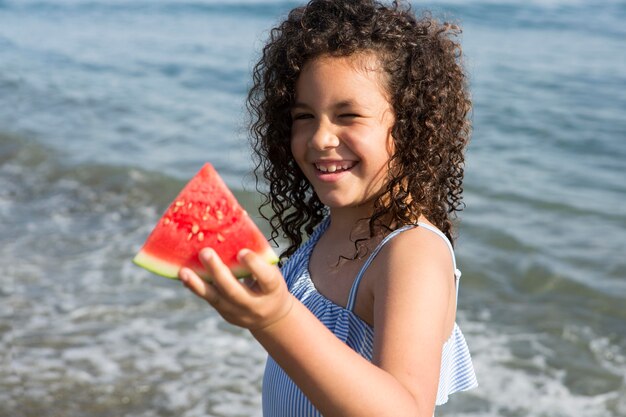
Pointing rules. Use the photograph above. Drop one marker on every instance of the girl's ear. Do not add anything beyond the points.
(391, 142)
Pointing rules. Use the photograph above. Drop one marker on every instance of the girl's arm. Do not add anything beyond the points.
(410, 309)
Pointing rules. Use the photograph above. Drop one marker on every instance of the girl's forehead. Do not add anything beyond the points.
(359, 65)
(337, 83)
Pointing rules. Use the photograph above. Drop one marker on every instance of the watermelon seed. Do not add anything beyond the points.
(205, 217)
(200, 236)
(220, 238)
(189, 205)
(195, 228)
(180, 203)
(219, 215)
(166, 220)
(189, 236)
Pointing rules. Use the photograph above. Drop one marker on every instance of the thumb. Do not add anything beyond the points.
(267, 276)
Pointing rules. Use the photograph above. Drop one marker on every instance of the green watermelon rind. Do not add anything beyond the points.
(170, 270)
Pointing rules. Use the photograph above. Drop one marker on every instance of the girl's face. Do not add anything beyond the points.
(341, 132)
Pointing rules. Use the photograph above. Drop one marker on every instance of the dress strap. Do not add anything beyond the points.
(457, 272)
(359, 277)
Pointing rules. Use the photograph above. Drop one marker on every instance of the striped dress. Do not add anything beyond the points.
(282, 398)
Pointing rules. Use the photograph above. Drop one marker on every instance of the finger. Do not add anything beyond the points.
(227, 285)
(199, 286)
(265, 274)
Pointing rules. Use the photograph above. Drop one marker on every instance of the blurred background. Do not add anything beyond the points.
(107, 107)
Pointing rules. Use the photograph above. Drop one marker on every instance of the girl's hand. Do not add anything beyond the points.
(256, 303)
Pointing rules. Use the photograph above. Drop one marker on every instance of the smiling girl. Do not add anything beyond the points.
(360, 125)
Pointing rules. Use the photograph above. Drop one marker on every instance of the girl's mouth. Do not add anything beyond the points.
(332, 167)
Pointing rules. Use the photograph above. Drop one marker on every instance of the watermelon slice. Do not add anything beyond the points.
(205, 214)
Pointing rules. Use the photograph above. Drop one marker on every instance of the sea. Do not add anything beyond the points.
(107, 108)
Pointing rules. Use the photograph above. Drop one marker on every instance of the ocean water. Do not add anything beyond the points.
(107, 107)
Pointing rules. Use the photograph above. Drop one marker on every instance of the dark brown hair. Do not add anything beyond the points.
(426, 84)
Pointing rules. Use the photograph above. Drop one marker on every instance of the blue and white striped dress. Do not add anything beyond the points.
(281, 396)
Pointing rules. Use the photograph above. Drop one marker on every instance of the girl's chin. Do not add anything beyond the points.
(335, 200)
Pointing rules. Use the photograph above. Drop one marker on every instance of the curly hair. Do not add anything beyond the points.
(427, 87)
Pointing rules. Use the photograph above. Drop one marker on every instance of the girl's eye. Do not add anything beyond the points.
(302, 116)
(349, 115)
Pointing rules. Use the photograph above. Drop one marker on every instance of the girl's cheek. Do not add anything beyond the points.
(298, 141)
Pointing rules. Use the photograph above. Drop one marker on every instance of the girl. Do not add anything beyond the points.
(360, 124)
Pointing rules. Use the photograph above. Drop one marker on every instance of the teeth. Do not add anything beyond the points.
(333, 167)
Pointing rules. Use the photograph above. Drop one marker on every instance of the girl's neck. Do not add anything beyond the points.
(349, 222)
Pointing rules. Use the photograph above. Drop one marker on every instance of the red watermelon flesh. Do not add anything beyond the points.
(204, 214)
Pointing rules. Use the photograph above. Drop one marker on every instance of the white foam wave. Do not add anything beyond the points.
(528, 383)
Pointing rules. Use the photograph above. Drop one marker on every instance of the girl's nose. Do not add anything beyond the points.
(324, 137)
